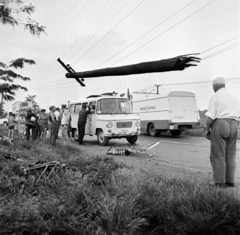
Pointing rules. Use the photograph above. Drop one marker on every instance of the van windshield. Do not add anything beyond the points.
(114, 106)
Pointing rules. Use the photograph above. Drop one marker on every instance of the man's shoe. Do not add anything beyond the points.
(82, 144)
(228, 185)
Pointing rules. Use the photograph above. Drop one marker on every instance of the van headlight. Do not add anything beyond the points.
(109, 124)
(137, 123)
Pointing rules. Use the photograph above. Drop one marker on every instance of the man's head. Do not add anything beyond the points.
(218, 83)
(84, 106)
(43, 111)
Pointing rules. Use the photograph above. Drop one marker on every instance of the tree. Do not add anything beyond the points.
(9, 9)
(8, 87)
(31, 98)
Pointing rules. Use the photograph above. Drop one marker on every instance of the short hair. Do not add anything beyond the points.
(84, 106)
(43, 110)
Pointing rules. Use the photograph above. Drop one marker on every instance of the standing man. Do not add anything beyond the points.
(82, 119)
(53, 127)
(65, 122)
(222, 121)
(31, 119)
(43, 122)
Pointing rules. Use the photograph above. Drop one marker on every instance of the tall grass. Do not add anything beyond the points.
(95, 195)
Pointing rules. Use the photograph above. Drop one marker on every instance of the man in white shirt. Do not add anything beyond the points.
(222, 121)
(65, 123)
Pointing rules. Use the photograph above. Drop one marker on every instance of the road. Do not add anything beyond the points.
(173, 154)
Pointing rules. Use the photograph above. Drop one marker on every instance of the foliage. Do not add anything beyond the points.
(8, 76)
(9, 15)
(96, 195)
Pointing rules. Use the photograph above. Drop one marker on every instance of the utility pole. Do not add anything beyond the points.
(157, 87)
(68, 103)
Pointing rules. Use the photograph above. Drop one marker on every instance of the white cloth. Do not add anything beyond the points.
(65, 117)
(57, 114)
(223, 104)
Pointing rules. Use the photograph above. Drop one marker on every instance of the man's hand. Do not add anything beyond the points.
(209, 122)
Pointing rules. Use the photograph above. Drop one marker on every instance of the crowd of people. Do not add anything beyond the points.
(37, 125)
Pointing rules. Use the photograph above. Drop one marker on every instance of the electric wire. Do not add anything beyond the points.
(58, 37)
(145, 34)
(163, 32)
(221, 51)
(110, 30)
(91, 26)
(86, 28)
(88, 39)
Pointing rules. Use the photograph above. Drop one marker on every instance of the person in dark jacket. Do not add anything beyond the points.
(82, 119)
(31, 119)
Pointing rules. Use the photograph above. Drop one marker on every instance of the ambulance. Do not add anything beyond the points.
(175, 111)
(111, 117)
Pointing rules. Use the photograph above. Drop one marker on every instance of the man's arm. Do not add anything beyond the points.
(209, 122)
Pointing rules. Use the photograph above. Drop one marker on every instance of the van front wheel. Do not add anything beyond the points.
(152, 131)
(102, 140)
(132, 139)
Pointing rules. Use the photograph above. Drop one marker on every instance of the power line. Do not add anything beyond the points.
(164, 32)
(219, 44)
(58, 37)
(146, 33)
(221, 51)
(110, 30)
(93, 24)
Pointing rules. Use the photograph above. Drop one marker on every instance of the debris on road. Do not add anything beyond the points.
(131, 149)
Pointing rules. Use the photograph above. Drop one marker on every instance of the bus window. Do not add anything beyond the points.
(71, 109)
(78, 108)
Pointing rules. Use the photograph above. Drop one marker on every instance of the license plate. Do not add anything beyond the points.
(124, 131)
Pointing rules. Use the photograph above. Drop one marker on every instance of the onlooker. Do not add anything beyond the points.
(52, 123)
(31, 119)
(43, 122)
(11, 124)
(21, 125)
(82, 119)
(65, 122)
(58, 120)
(223, 115)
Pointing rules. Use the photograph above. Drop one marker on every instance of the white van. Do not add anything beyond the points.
(111, 117)
(175, 111)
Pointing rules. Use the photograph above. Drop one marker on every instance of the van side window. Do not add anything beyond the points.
(71, 109)
(78, 107)
(92, 105)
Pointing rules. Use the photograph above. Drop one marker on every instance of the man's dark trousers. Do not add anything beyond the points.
(81, 131)
(33, 128)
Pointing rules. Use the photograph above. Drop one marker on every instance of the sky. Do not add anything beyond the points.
(93, 34)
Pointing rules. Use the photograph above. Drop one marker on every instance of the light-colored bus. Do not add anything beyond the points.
(111, 117)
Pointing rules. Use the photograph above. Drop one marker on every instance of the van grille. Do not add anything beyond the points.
(124, 124)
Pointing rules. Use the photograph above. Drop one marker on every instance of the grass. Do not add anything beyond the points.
(95, 195)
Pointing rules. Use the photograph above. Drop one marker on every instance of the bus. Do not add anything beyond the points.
(111, 117)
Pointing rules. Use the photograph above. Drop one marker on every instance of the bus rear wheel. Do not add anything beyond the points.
(132, 139)
(152, 131)
(102, 139)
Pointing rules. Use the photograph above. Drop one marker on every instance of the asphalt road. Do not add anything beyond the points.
(183, 153)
